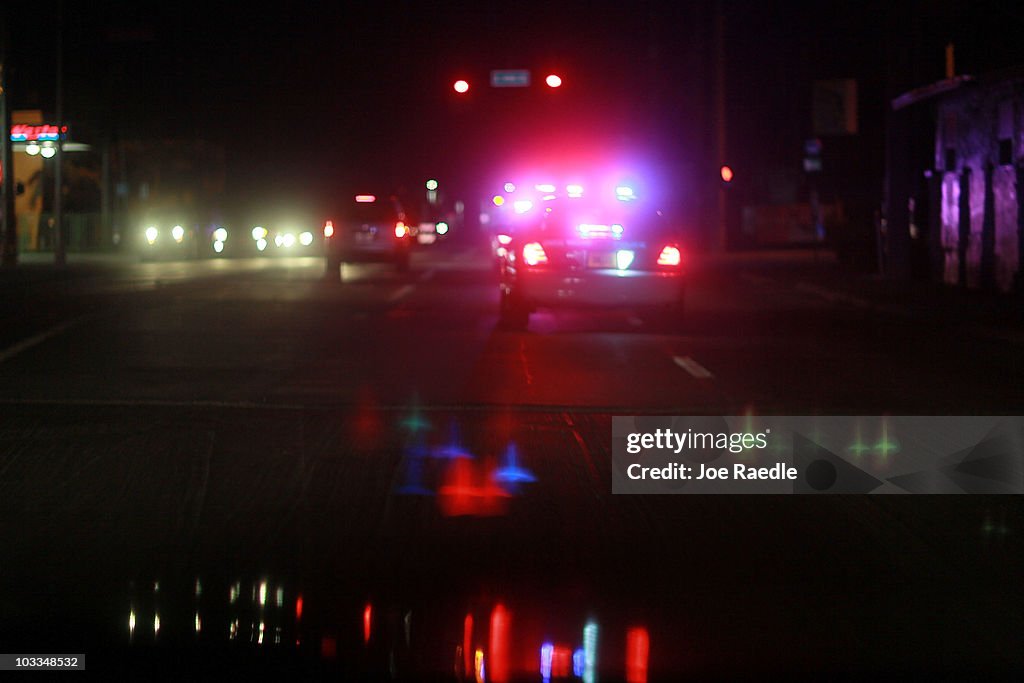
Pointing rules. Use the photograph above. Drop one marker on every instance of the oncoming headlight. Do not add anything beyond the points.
(151, 234)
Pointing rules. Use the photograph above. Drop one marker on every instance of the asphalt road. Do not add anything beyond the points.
(250, 420)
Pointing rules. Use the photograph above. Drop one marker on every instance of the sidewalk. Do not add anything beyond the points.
(38, 267)
(820, 275)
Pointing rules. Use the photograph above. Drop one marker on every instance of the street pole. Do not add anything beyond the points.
(721, 237)
(9, 245)
(59, 255)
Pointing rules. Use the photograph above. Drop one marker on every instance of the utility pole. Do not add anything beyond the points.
(9, 245)
(59, 254)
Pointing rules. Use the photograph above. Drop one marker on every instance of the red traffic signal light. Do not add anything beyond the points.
(727, 174)
(553, 80)
(461, 86)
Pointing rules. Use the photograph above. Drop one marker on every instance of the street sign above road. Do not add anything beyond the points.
(510, 78)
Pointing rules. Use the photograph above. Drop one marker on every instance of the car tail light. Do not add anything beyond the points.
(670, 256)
(401, 229)
(533, 254)
(504, 240)
(329, 229)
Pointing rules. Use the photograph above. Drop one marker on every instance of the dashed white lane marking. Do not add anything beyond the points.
(401, 293)
(693, 367)
(25, 344)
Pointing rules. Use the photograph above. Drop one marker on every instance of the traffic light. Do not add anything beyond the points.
(461, 86)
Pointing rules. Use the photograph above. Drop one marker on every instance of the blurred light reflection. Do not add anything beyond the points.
(547, 652)
(638, 647)
(498, 647)
(478, 666)
(367, 621)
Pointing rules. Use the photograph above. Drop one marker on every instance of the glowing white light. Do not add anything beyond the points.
(261, 244)
(48, 152)
(151, 234)
(279, 597)
(510, 187)
(178, 233)
(574, 191)
(32, 149)
(156, 624)
(616, 228)
(306, 239)
(220, 235)
(589, 652)
(623, 258)
(442, 228)
(624, 193)
(263, 593)
(131, 623)
(546, 187)
(259, 233)
(431, 184)
(522, 205)
(533, 254)
(218, 246)
(278, 240)
(288, 240)
(199, 624)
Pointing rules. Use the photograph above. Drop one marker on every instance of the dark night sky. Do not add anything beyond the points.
(313, 97)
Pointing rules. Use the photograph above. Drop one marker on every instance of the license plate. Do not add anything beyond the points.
(601, 260)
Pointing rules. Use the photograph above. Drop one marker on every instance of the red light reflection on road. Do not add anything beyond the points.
(561, 662)
(638, 648)
(467, 643)
(470, 489)
(498, 653)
